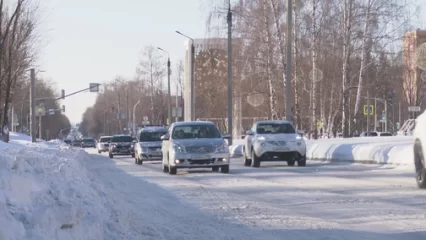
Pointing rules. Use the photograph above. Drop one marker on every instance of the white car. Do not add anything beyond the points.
(420, 144)
(103, 144)
(197, 144)
(274, 140)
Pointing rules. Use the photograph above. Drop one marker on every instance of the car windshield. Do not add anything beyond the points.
(105, 139)
(275, 128)
(122, 139)
(151, 136)
(88, 140)
(195, 131)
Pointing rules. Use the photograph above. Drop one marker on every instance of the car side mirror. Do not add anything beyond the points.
(301, 132)
(226, 136)
(250, 133)
(165, 137)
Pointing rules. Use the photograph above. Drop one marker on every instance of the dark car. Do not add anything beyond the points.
(121, 145)
(67, 141)
(76, 143)
(88, 142)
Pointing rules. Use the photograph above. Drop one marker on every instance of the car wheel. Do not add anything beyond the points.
(247, 162)
(419, 163)
(291, 162)
(99, 152)
(255, 160)
(224, 169)
(172, 170)
(302, 161)
(215, 169)
(110, 155)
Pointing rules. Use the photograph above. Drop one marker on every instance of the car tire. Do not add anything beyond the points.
(172, 170)
(255, 160)
(110, 155)
(247, 162)
(99, 152)
(215, 169)
(224, 169)
(302, 161)
(165, 168)
(291, 162)
(420, 166)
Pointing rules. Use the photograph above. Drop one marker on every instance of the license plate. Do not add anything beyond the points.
(124, 150)
(200, 157)
(282, 149)
(157, 153)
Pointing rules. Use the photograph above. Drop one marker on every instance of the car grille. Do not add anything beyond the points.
(277, 143)
(154, 149)
(201, 149)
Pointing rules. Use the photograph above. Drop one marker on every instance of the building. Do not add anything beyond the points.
(189, 94)
(413, 87)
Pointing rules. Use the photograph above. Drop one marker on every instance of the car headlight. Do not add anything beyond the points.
(132, 145)
(178, 148)
(113, 145)
(263, 144)
(260, 138)
(223, 148)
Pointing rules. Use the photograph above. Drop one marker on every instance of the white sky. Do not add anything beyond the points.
(96, 40)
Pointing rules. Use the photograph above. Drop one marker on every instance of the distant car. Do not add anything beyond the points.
(148, 144)
(76, 143)
(103, 144)
(419, 134)
(196, 144)
(274, 140)
(88, 143)
(121, 145)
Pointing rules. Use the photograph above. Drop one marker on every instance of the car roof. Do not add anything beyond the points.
(122, 135)
(273, 121)
(106, 137)
(153, 129)
(201, 123)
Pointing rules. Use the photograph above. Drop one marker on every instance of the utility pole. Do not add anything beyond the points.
(177, 104)
(33, 106)
(192, 80)
(229, 18)
(169, 96)
(386, 115)
(289, 98)
(369, 110)
(39, 123)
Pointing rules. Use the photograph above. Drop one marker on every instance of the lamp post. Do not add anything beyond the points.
(229, 20)
(134, 117)
(169, 96)
(192, 107)
(288, 90)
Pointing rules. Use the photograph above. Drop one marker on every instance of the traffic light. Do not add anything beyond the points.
(63, 94)
(63, 108)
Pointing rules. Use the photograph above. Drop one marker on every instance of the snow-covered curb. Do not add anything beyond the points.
(47, 193)
(396, 150)
(383, 150)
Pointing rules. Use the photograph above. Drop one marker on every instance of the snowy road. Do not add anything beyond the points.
(321, 201)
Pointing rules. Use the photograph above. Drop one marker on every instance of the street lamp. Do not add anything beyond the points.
(192, 107)
(169, 96)
(134, 117)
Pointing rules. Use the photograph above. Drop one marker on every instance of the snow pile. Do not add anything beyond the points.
(47, 193)
(381, 150)
(396, 150)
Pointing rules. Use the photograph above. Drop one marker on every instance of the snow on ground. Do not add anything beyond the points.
(396, 150)
(320, 201)
(47, 193)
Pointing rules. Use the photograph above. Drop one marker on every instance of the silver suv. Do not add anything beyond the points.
(148, 144)
(196, 144)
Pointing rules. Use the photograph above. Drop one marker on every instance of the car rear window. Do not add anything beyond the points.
(105, 139)
(122, 139)
(275, 128)
(88, 140)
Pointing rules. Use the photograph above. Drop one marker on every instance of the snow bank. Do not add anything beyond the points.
(397, 150)
(46, 193)
(378, 150)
